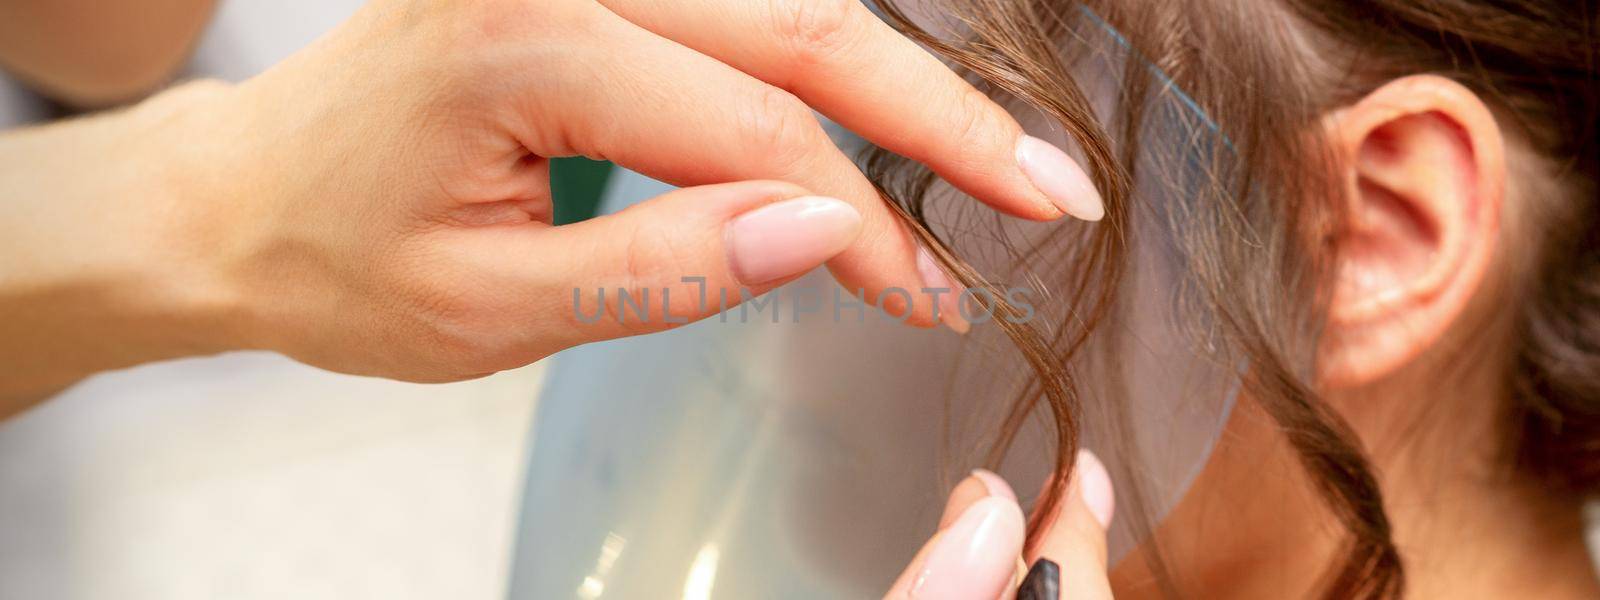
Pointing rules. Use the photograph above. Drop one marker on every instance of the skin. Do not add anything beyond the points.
(379, 204)
(1075, 541)
(1414, 358)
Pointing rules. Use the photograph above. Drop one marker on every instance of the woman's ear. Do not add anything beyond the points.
(1422, 164)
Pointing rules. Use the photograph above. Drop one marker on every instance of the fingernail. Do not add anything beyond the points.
(995, 484)
(934, 278)
(1042, 583)
(1094, 485)
(784, 239)
(974, 557)
(1059, 178)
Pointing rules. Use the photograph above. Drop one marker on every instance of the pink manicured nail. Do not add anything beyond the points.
(1094, 484)
(995, 484)
(976, 557)
(784, 239)
(1060, 178)
(934, 278)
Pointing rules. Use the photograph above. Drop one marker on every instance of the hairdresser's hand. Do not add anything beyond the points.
(390, 202)
(977, 552)
(379, 202)
(1070, 561)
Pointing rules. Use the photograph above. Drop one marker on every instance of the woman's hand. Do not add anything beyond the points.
(977, 552)
(379, 203)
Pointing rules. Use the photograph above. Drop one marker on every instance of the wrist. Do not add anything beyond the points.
(198, 216)
(104, 264)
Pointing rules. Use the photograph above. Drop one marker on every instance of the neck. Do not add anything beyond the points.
(1477, 539)
(1467, 523)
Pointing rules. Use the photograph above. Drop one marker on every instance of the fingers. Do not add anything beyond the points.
(847, 63)
(676, 115)
(973, 555)
(714, 246)
(674, 259)
(1075, 543)
(979, 485)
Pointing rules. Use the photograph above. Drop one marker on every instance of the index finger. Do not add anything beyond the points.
(974, 552)
(1075, 540)
(842, 60)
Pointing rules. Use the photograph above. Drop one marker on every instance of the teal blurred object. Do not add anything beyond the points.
(576, 184)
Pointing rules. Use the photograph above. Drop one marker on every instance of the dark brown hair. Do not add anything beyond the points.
(1265, 72)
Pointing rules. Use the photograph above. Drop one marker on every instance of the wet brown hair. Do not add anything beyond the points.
(1265, 72)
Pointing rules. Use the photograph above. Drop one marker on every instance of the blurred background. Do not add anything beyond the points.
(250, 476)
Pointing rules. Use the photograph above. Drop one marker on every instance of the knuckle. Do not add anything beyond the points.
(455, 346)
(501, 21)
(467, 349)
(975, 120)
(635, 272)
(816, 28)
(462, 330)
(654, 259)
(780, 130)
(647, 262)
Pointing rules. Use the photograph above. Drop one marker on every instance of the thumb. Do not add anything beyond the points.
(687, 255)
(1070, 561)
(974, 554)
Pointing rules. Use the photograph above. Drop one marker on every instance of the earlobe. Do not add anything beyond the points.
(1423, 168)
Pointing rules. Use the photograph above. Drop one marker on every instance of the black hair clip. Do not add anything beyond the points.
(1042, 583)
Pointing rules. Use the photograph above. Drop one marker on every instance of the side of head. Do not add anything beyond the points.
(1422, 177)
(1464, 135)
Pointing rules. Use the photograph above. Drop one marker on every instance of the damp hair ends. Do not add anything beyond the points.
(1262, 73)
